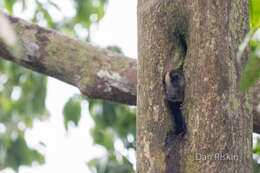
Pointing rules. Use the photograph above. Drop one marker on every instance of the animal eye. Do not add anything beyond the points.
(175, 77)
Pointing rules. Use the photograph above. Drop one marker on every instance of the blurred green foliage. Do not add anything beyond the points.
(22, 96)
(22, 99)
(18, 153)
(113, 122)
(23, 92)
(256, 152)
(108, 115)
(254, 14)
(257, 148)
(110, 165)
(251, 73)
(72, 111)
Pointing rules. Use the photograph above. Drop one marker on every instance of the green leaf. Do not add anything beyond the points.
(1, 66)
(72, 111)
(9, 5)
(251, 73)
(48, 18)
(85, 9)
(103, 137)
(6, 104)
(109, 163)
(115, 49)
(256, 150)
(20, 154)
(24, 4)
(254, 13)
(54, 5)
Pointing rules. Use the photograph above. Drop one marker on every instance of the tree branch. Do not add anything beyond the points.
(98, 73)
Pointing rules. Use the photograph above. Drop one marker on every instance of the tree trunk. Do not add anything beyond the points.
(217, 114)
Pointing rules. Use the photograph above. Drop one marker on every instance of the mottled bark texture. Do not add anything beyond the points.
(98, 73)
(218, 115)
(64, 58)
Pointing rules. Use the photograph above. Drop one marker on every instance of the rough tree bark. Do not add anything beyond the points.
(218, 115)
(99, 59)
